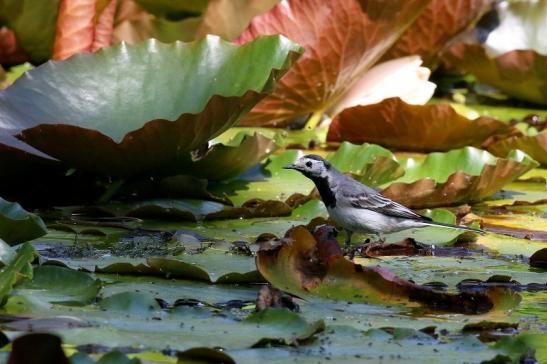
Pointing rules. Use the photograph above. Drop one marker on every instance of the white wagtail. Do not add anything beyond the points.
(359, 208)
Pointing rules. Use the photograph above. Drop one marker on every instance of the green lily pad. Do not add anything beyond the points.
(459, 176)
(18, 225)
(112, 129)
(60, 286)
(18, 268)
(174, 9)
(372, 164)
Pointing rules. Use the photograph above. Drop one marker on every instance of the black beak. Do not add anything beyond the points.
(291, 166)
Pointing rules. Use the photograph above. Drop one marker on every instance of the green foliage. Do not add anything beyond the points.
(18, 225)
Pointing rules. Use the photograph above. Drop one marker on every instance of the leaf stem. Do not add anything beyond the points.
(314, 120)
(111, 190)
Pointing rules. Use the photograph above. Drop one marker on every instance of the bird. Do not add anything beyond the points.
(359, 208)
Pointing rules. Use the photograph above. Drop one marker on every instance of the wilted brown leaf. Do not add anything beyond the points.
(535, 146)
(341, 41)
(313, 265)
(37, 348)
(396, 124)
(440, 22)
(518, 73)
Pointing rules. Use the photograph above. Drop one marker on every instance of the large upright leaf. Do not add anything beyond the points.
(33, 22)
(142, 109)
(440, 22)
(342, 38)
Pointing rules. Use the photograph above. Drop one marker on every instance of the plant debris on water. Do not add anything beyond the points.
(146, 215)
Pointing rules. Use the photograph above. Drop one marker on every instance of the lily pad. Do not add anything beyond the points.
(115, 138)
(438, 24)
(333, 62)
(370, 163)
(18, 225)
(18, 268)
(60, 286)
(395, 124)
(459, 176)
(535, 146)
(518, 73)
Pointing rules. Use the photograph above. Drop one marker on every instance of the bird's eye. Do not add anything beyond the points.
(308, 164)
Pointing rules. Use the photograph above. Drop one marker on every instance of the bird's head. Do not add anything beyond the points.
(311, 165)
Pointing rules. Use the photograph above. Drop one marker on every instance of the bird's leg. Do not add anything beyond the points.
(381, 238)
(348, 238)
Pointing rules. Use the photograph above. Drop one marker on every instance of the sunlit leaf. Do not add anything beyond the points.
(110, 124)
(343, 39)
(395, 124)
(370, 163)
(459, 176)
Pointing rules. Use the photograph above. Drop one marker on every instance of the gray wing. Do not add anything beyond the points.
(378, 203)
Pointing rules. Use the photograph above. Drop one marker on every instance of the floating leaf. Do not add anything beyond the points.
(153, 111)
(313, 265)
(395, 124)
(61, 286)
(438, 24)
(18, 225)
(459, 176)
(343, 40)
(204, 355)
(535, 146)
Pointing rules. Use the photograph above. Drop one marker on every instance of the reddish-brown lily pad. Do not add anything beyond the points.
(313, 265)
(518, 73)
(535, 146)
(440, 22)
(396, 124)
(342, 39)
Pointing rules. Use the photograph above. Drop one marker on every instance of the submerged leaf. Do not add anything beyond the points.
(153, 109)
(312, 265)
(18, 225)
(395, 124)
(343, 40)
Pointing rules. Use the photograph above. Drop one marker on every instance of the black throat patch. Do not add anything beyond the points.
(325, 191)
